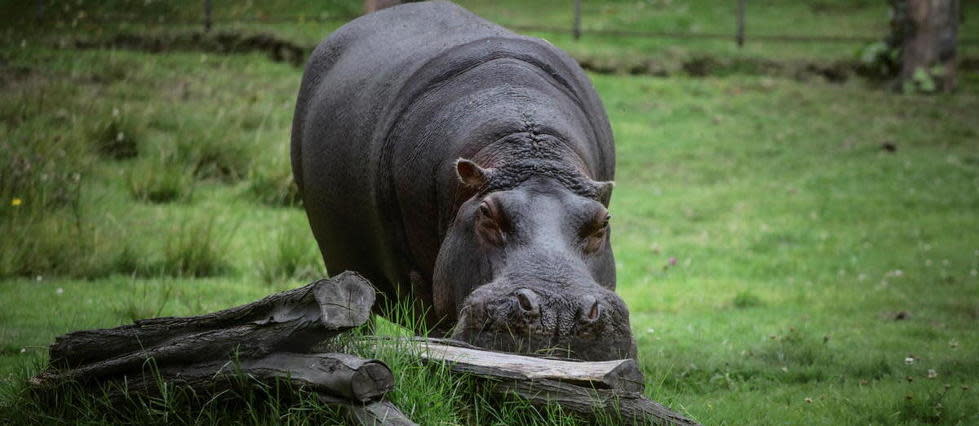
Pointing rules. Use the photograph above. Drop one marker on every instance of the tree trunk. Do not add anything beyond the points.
(925, 32)
(343, 376)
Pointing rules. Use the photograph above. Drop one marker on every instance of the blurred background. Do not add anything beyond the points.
(796, 208)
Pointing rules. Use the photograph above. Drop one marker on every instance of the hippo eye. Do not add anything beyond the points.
(596, 235)
(488, 225)
(484, 209)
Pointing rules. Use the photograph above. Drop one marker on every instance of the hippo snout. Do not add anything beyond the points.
(590, 323)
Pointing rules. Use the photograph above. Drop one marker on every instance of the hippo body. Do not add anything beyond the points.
(411, 123)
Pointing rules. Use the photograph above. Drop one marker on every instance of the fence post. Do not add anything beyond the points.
(739, 37)
(576, 28)
(207, 16)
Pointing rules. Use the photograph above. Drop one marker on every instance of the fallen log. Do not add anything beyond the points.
(621, 374)
(585, 388)
(634, 407)
(291, 321)
(339, 375)
(377, 413)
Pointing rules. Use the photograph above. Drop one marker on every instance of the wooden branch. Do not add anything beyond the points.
(340, 375)
(291, 321)
(634, 407)
(622, 374)
(377, 413)
(580, 387)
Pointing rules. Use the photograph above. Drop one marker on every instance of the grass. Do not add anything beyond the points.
(765, 242)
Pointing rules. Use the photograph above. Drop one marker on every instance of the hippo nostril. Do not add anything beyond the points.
(591, 310)
(593, 313)
(527, 300)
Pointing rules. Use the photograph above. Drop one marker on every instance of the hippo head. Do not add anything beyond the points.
(526, 265)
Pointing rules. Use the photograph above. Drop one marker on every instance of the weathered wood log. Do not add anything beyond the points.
(340, 375)
(633, 407)
(620, 374)
(377, 413)
(581, 387)
(291, 321)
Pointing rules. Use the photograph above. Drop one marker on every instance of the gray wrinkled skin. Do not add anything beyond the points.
(389, 105)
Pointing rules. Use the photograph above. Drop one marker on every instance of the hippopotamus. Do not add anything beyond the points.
(466, 171)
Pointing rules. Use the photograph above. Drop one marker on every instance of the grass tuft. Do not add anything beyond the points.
(293, 255)
(746, 299)
(195, 249)
(115, 138)
(159, 181)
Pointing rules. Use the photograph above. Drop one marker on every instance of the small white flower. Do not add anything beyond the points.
(932, 373)
(22, 350)
(649, 330)
(120, 137)
(59, 291)
(909, 360)
(38, 278)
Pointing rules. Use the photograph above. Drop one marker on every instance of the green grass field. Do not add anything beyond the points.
(767, 244)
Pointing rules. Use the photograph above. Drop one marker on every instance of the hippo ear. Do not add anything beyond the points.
(604, 191)
(471, 174)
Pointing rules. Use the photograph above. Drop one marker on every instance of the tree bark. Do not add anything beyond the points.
(633, 407)
(926, 33)
(291, 321)
(377, 413)
(343, 376)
